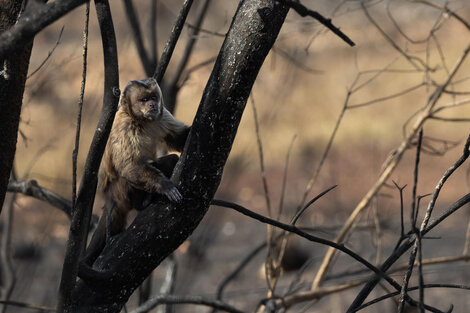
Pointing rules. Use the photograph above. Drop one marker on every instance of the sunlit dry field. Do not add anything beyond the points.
(299, 95)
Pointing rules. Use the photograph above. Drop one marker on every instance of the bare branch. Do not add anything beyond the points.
(446, 10)
(389, 166)
(147, 63)
(80, 106)
(367, 289)
(82, 215)
(172, 40)
(49, 54)
(303, 11)
(393, 294)
(284, 178)
(420, 65)
(32, 189)
(450, 119)
(297, 231)
(193, 36)
(414, 209)
(385, 98)
(267, 198)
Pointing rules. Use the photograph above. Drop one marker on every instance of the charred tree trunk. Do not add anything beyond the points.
(157, 231)
(13, 72)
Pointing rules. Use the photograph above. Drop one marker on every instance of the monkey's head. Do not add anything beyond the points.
(142, 99)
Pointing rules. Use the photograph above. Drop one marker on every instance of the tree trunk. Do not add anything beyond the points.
(13, 72)
(157, 231)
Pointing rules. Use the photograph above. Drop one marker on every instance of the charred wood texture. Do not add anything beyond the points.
(157, 231)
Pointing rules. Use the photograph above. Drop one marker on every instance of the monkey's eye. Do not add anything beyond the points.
(144, 99)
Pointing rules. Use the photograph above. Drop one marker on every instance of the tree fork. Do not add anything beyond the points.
(157, 231)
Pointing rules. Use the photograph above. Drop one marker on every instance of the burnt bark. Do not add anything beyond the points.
(13, 72)
(82, 212)
(157, 231)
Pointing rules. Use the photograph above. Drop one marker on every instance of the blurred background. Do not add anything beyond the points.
(303, 87)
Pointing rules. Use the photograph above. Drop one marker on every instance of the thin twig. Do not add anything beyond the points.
(80, 106)
(270, 266)
(49, 54)
(303, 11)
(404, 247)
(302, 210)
(446, 10)
(411, 59)
(172, 40)
(284, 178)
(297, 231)
(393, 294)
(133, 20)
(415, 180)
(389, 166)
(402, 222)
(261, 157)
(440, 184)
(385, 98)
(193, 37)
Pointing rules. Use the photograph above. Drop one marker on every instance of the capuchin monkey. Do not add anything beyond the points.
(130, 172)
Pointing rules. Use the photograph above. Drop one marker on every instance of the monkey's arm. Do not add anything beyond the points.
(176, 132)
(142, 175)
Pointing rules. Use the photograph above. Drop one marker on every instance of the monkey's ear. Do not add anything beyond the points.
(151, 82)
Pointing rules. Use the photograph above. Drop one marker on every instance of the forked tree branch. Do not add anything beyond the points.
(157, 231)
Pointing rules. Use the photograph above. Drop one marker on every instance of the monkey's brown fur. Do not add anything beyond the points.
(130, 170)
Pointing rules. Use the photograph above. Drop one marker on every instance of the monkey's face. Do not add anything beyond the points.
(144, 99)
(149, 106)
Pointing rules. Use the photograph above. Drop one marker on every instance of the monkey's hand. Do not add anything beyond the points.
(171, 192)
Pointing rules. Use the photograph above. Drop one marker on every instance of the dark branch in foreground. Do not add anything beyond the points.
(81, 217)
(304, 11)
(128, 258)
